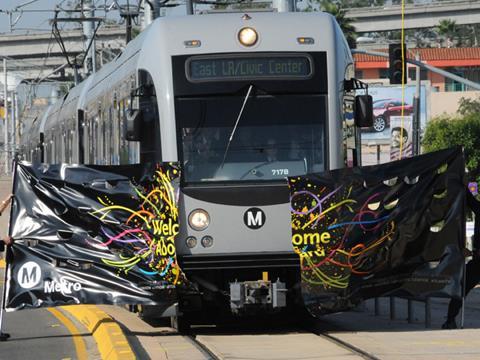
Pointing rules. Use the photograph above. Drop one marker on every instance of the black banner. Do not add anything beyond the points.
(389, 230)
(94, 234)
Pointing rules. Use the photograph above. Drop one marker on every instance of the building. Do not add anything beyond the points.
(464, 62)
(32, 56)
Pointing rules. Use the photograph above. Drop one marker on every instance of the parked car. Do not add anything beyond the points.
(384, 108)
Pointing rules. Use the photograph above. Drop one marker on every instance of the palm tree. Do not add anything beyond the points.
(421, 37)
(338, 11)
(448, 29)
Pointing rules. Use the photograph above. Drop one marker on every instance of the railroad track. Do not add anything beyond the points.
(348, 346)
(209, 353)
(278, 346)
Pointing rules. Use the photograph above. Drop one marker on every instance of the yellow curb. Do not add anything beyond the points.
(80, 347)
(111, 341)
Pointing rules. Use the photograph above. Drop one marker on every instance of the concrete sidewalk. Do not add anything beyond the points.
(5, 190)
(395, 339)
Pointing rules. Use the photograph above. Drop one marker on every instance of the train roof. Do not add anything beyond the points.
(215, 31)
(52, 116)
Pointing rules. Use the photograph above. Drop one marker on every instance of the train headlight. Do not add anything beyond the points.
(207, 241)
(191, 242)
(247, 36)
(199, 219)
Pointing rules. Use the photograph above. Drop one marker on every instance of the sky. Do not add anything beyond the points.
(39, 21)
(28, 20)
(37, 13)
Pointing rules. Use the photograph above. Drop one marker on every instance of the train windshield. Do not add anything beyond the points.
(276, 136)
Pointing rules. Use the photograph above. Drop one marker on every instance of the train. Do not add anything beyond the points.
(240, 101)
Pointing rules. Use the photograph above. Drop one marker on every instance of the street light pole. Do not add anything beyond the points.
(5, 119)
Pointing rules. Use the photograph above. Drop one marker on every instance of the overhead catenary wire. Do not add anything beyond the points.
(20, 10)
(91, 42)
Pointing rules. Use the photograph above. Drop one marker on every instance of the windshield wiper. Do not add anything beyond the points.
(236, 123)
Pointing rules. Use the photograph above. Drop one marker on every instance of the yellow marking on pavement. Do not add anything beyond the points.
(80, 347)
(451, 343)
(111, 342)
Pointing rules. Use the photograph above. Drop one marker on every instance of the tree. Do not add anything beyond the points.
(445, 132)
(468, 106)
(448, 29)
(337, 10)
(421, 37)
(238, 6)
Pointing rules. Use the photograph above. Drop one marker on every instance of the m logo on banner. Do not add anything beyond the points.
(254, 218)
(29, 275)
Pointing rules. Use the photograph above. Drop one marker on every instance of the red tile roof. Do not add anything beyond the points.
(428, 54)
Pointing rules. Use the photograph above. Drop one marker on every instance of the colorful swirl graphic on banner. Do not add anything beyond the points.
(335, 235)
(148, 234)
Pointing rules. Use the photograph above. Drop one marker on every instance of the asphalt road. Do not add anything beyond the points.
(42, 333)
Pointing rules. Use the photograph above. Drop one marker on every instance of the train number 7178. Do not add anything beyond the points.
(278, 172)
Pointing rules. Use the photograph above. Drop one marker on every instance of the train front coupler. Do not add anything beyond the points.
(249, 296)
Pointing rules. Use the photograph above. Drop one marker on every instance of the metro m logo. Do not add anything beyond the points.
(29, 275)
(254, 218)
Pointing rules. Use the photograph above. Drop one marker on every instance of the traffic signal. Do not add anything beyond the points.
(396, 64)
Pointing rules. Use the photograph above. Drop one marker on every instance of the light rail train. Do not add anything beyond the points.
(240, 100)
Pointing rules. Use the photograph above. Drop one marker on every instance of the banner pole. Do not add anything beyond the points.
(464, 238)
(8, 255)
(462, 321)
(4, 336)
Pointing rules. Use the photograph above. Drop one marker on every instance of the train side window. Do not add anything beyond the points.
(86, 159)
(53, 160)
(103, 137)
(116, 134)
(124, 150)
(150, 145)
(99, 139)
(74, 140)
(95, 139)
(108, 136)
(66, 140)
(45, 152)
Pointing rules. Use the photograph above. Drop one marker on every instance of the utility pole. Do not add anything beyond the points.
(18, 123)
(189, 5)
(128, 13)
(12, 128)
(89, 31)
(416, 110)
(88, 26)
(5, 120)
(148, 12)
(284, 5)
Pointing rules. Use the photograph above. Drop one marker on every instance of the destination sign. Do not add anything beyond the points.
(242, 68)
